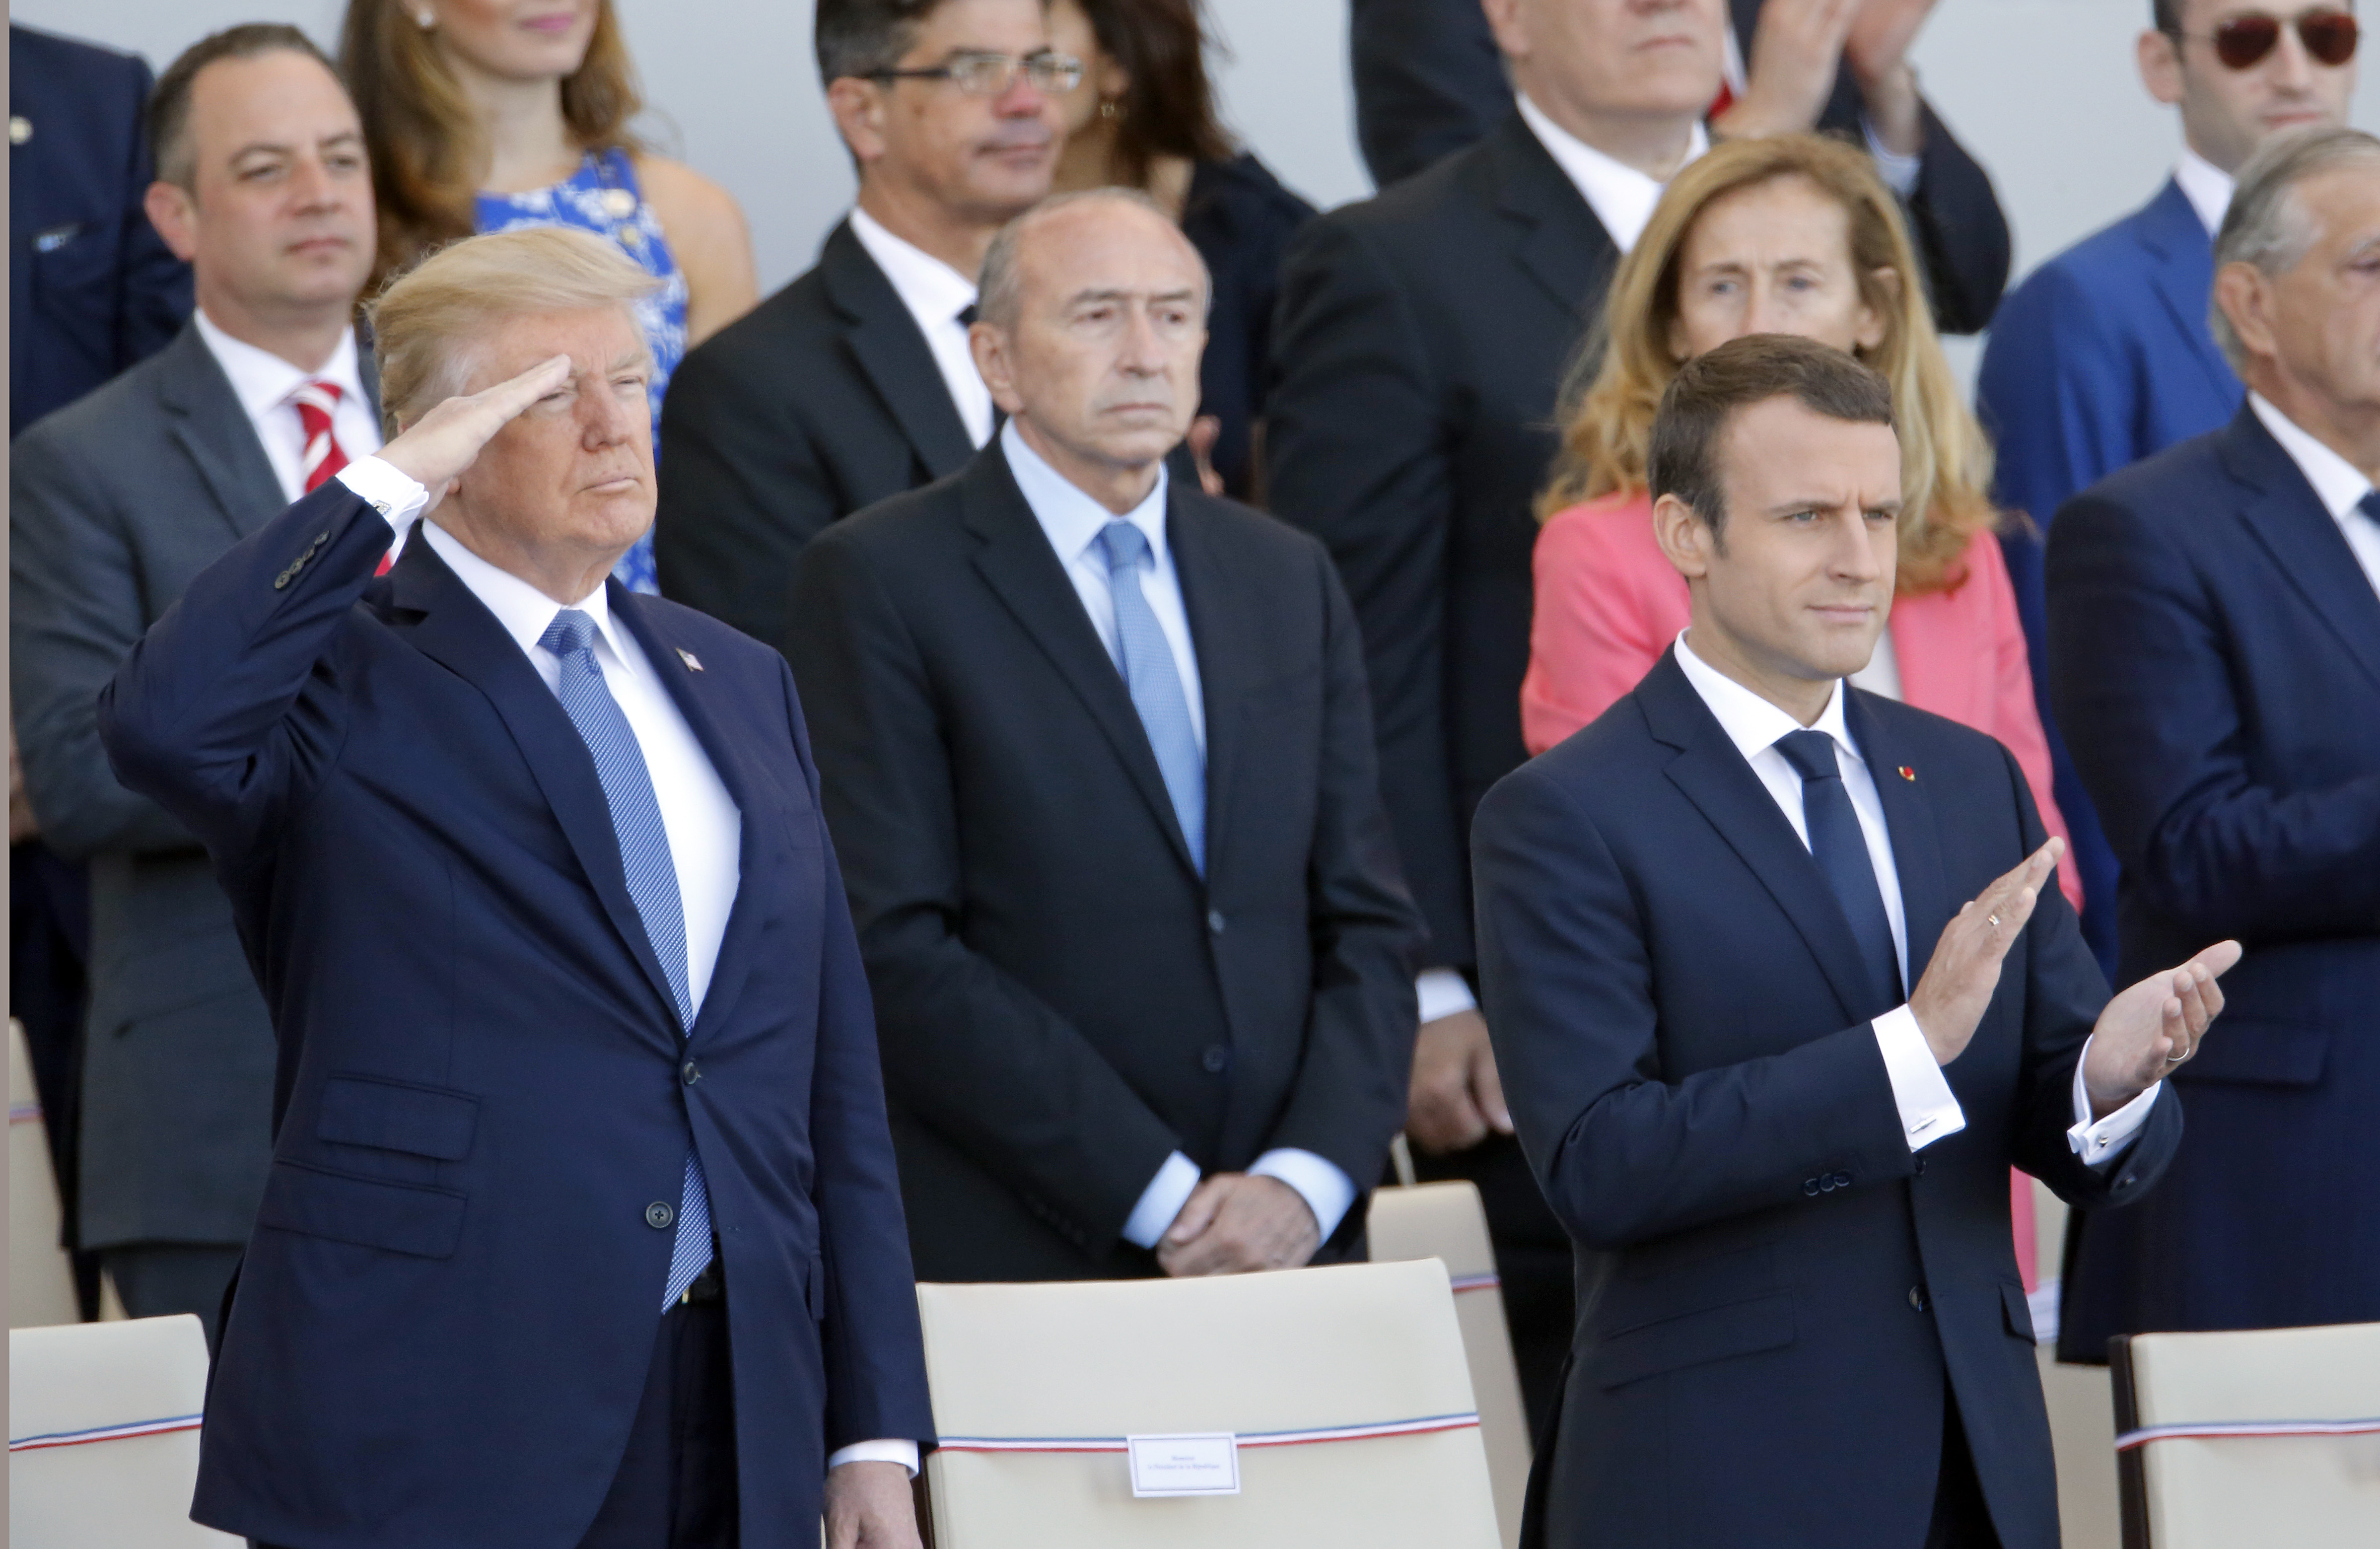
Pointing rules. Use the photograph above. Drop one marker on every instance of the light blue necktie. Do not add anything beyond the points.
(1156, 683)
(652, 881)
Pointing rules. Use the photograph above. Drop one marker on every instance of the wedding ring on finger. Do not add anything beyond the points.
(1993, 921)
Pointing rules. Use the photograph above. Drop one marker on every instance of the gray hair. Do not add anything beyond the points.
(2268, 225)
(1000, 295)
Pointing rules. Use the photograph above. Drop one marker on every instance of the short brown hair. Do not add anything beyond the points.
(169, 100)
(1169, 107)
(1712, 388)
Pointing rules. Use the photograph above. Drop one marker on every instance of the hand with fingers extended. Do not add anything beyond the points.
(2147, 1032)
(1456, 1100)
(1236, 1222)
(436, 450)
(1796, 47)
(1965, 968)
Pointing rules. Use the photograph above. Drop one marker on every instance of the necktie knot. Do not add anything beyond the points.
(968, 315)
(1812, 754)
(316, 398)
(570, 631)
(317, 404)
(1124, 545)
(2369, 505)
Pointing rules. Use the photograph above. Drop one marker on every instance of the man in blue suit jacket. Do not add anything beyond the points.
(2215, 630)
(582, 1227)
(2103, 356)
(1800, 1315)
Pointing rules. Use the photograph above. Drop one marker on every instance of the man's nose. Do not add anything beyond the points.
(1855, 558)
(2292, 67)
(313, 186)
(1023, 99)
(607, 417)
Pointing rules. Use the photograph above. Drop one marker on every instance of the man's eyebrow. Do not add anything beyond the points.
(1829, 503)
(1118, 293)
(266, 147)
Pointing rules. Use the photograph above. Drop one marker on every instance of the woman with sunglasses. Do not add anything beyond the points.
(486, 114)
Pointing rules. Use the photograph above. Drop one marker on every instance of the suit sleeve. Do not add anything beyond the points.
(968, 1051)
(212, 715)
(2140, 676)
(153, 299)
(1350, 1094)
(1429, 82)
(1359, 458)
(742, 486)
(875, 1352)
(1622, 1156)
(1960, 232)
(75, 613)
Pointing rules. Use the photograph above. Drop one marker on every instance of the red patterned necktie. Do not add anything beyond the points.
(316, 402)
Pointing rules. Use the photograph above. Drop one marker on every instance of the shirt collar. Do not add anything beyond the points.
(264, 380)
(2338, 483)
(2206, 186)
(932, 289)
(1751, 722)
(1072, 519)
(1621, 197)
(524, 610)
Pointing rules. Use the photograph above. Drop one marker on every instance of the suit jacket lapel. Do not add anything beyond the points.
(2303, 538)
(2183, 272)
(1017, 561)
(1561, 243)
(1908, 805)
(457, 630)
(1228, 664)
(891, 353)
(1715, 778)
(215, 434)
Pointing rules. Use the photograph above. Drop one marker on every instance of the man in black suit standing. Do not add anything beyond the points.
(1771, 1070)
(1097, 756)
(854, 382)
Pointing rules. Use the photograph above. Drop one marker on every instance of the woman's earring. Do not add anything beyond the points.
(1108, 108)
(425, 19)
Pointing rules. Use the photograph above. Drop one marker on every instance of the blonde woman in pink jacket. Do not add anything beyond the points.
(1789, 235)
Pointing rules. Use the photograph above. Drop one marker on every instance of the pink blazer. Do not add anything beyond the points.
(1608, 604)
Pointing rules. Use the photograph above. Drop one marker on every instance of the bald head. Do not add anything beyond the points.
(1061, 218)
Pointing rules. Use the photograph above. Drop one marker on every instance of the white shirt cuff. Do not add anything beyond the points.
(379, 485)
(2099, 1144)
(1920, 1090)
(1900, 172)
(1326, 1190)
(1443, 992)
(1162, 1201)
(902, 1452)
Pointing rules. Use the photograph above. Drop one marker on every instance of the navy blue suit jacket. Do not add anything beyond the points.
(2100, 358)
(2215, 655)
(444, 1320)
(1772, 1286)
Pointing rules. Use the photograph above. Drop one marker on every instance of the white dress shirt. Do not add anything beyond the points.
(704, 828)
(1928, 1109)
(1073, 521)
(267, 387)
(935, 294)
(1621, 197)
(2206, 186)
(2336, 483)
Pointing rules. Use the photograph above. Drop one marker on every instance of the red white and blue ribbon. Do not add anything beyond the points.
(105, 1434)
(1424, 1426)
(1463, 1283)
(2216, 1430)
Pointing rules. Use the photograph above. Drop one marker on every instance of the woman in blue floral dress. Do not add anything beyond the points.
(488, 115)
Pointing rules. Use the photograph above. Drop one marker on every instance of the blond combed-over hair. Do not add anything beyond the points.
(428, 323)
(1617, 383)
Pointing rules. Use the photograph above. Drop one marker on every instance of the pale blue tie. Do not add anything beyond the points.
(1146, 661)
(652, 881)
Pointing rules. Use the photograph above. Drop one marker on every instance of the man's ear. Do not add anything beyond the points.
(174, 214)
(859, 109)
(2160, 64)
(1686, 540)
(989, 346)
(1511, 31)
(2246, 296)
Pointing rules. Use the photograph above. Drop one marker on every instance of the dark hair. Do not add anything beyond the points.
(169, 100)
(1711, 389)
(425, 143)
(861, 37)
(2166, 17)
(1169, 108)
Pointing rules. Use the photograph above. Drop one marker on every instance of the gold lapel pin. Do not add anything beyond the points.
(1907, 773)
(693, 664)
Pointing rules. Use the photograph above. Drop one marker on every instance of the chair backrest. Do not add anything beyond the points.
(41, 1279)
(1445, 1222)
(104, 1435)
(2265, 1436)
(1039, 1389)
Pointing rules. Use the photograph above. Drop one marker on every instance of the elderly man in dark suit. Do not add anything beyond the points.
(115, 503)
(1097, 749)
(2215, 655)
(582, 1227)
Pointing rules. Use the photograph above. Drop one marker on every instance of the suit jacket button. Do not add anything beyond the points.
(1810, 1187)
(691, 1072)
(1215, 921)
(659, 1215)
(1920, 1164)
(1917, 1298)
(2128, 1182)
(1843, 1180)
(1215, 1058)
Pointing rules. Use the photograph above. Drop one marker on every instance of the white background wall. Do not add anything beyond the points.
(2042, 91)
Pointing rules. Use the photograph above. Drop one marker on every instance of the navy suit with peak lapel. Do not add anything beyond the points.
(2215, 657)
(1064, 1000)
(1774, 1291)
(483, 1105)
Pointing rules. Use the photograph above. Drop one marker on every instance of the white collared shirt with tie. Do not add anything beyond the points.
(266, 386)
(935, 294)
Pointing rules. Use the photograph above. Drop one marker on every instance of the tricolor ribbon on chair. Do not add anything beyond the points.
(105, 1434)
(2212, 1430)
(1423, 1426)
(1463, 1283)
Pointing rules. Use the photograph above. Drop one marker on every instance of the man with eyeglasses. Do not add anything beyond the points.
(2103, 356)
(855, 382)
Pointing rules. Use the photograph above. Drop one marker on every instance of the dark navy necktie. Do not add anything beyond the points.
(652, 885)
(1840, 849)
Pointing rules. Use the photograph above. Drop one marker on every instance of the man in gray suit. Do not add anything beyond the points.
(115, 503)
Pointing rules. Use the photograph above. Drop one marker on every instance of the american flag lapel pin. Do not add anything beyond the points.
(1906, 772)
(693, 664)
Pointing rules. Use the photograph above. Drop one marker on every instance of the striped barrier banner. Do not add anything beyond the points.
(2212, 1430)
(1247, 1438)
(103, 1433)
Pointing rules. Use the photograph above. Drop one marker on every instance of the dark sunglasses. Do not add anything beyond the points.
(2244, 42)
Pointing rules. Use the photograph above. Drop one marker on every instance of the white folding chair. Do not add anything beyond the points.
(40, 1278)
(1336, 1400)
(2270, 1436)
(1445, 1222)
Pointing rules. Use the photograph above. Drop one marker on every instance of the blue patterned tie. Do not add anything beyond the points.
(652, 881)
(1156, 683)
(1840, 849)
